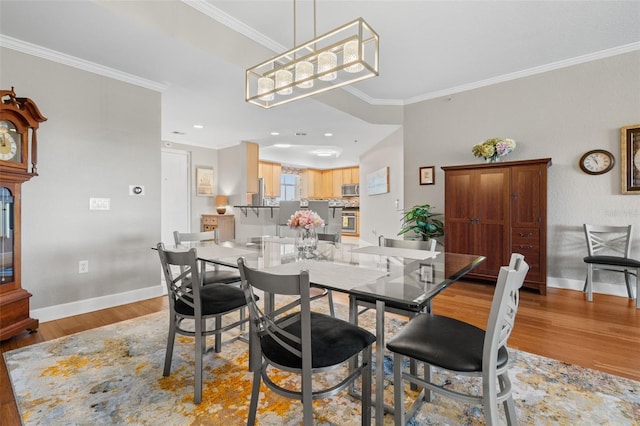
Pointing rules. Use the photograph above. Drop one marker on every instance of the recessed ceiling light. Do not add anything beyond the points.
(198, 126)
(275, 133)
(328, 134)
(282, 145)
(324, 152)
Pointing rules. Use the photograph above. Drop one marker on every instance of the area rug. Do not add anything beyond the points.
(113, 376)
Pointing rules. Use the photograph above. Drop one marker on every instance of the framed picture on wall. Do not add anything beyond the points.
(427, 175)
(630, 156)
(204, 182)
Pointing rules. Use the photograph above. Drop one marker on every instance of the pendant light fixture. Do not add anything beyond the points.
(339, 57)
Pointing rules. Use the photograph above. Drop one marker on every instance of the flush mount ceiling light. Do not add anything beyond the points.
(342, 56)
(325, 152)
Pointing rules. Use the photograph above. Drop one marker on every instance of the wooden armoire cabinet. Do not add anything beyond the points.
(495, 209)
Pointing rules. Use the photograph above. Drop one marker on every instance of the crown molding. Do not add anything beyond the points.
(224, 18)
(63, 58)
(620, 50)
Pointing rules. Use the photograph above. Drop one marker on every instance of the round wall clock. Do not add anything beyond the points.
(597, 162)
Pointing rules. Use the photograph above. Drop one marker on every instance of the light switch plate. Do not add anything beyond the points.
(99, 203)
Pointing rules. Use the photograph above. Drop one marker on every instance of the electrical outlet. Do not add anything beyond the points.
(83, 266)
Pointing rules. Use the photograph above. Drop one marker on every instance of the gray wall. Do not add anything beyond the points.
(101, 136)
(559, 114)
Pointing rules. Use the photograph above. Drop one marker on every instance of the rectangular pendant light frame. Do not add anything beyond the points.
(333, 41)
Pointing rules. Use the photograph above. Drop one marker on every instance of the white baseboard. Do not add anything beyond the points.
(55, 312)
(598, 287)
(51, 313)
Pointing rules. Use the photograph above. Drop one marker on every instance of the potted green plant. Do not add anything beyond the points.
(422, 222)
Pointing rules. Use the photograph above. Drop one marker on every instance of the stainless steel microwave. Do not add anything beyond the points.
(350, 190)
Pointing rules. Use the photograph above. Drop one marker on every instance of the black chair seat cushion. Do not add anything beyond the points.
(221, 276)
(216, 299)
(613, 261)
(443, 342)
(333, 342)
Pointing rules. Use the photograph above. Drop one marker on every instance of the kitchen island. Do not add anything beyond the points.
(265, 220)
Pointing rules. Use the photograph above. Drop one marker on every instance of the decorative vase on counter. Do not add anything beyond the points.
(306, 243)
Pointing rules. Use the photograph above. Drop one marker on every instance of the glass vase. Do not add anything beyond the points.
(306, 243)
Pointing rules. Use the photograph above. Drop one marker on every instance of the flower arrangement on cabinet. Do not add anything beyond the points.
(307, 219)
(492, 149)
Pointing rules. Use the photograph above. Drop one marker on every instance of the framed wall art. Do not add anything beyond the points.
(378, 182)
(630, 159)
(427, 175)
(204, 182)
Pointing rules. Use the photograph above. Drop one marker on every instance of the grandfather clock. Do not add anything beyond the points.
(18, 164)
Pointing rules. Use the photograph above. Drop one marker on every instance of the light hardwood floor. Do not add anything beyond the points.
(603, 335)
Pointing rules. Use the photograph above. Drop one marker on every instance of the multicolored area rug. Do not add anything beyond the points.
(113, 375)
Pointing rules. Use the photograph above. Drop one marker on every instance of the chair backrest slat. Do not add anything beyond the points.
(608, 240)
(182, 286)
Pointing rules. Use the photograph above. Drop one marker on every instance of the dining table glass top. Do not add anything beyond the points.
(411, 277)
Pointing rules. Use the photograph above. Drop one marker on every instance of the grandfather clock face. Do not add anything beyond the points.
(7, 245)
(10, 142)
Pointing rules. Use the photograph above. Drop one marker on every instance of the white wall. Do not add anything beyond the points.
(559, 114)
(378, 213)
(101, 136)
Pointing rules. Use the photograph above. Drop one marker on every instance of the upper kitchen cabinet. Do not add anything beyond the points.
(311, 183)
(350, 175)
(270, 173)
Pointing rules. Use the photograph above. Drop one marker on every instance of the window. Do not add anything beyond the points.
(288, 187)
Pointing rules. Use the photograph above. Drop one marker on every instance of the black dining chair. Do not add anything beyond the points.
(301, 342)
(190, 300)
(464, 349)
(215, 275)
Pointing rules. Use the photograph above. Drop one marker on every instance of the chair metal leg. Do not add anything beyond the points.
(366, 387)
(218, 336)
(331, 308)
(170, 342)
(590, 283)
(255, 395)
(627, 280)
(490, 398)
(509, 405)
(197, 386)
(398, 391)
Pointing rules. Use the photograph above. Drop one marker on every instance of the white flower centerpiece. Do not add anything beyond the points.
(306, 222)
(492, 149)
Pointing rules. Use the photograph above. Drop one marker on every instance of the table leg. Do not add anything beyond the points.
(379, 362)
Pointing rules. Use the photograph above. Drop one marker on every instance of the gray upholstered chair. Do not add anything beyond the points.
(609, 249)
(215, 275)
(189, 299)
(285, 210)
(303, 342)
(464, 349)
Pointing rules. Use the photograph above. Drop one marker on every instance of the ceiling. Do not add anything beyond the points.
(196, 51)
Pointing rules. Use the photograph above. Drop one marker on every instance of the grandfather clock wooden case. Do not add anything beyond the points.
(19, 120)
(496, 209)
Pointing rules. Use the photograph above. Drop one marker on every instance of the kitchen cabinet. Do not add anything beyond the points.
(224, 223)
(311, 181)
(495, 209)
(327, 184)
(351, 175)
(336, 183)
(270, 173)
(252, 152)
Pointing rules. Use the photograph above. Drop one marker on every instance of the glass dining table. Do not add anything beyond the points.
(380, 275)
